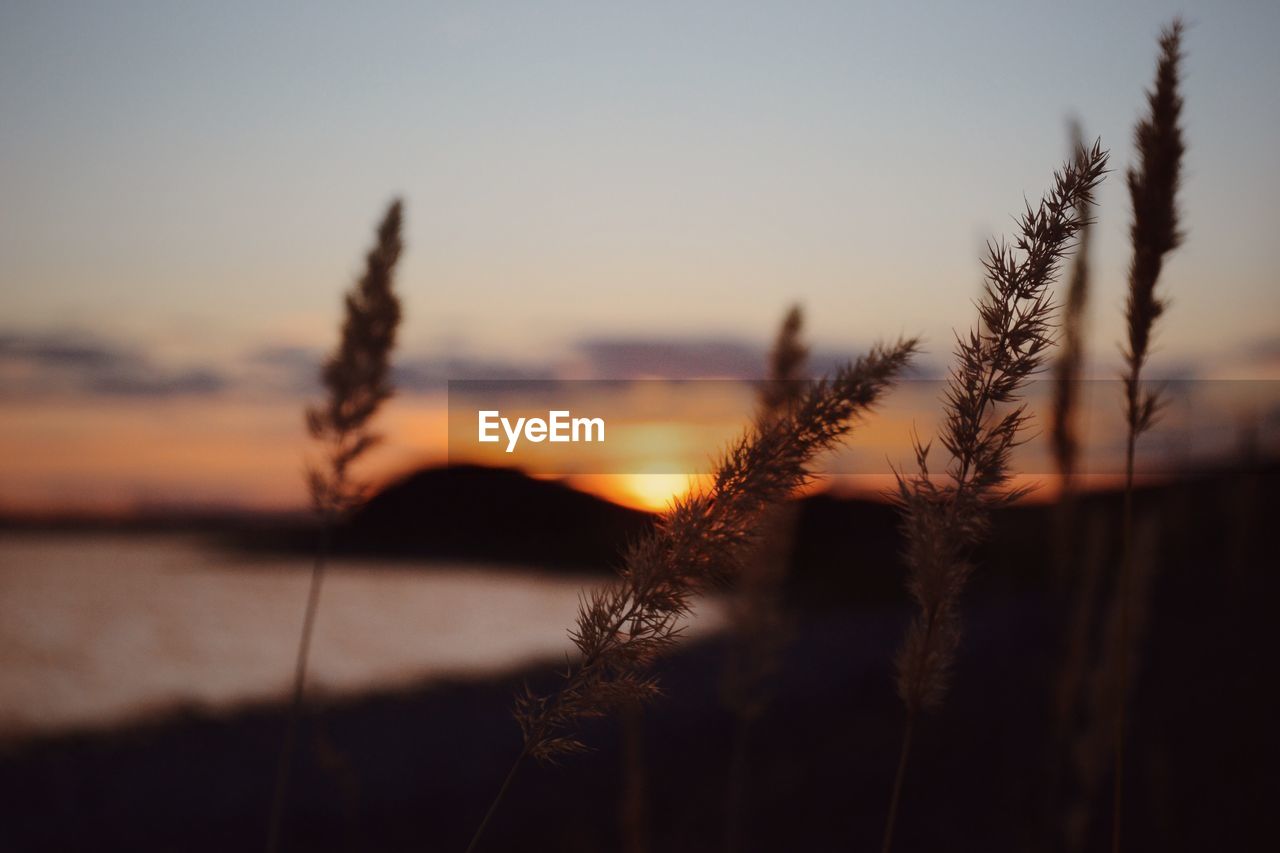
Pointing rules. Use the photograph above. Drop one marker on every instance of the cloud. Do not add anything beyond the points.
(55, 349)
(154, 383)
(629, 358)
(296, 370)
(1264, 350)
(427, 374)
(693, 358)
(282, 369)
(71, 363)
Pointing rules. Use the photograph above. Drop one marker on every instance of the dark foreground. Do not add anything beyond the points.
(996, 769)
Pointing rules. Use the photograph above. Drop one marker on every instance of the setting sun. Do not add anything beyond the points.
(651, 491)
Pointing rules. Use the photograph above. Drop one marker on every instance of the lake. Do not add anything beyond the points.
(97, 629)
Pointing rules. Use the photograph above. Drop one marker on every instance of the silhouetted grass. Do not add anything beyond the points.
(757, 623)
(697, 544)
(983, 423)
(1153, 189)
(357, 378)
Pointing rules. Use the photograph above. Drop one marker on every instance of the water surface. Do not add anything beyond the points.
(100, 628)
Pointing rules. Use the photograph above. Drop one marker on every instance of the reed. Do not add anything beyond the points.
(357, 377)
(1074, 577)
(698, 543)
(1063, 428)
(1154, 233)
(757, 621)
(984, 420)
(1092, 749)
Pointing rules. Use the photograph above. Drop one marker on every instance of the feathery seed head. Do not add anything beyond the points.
(1153, 190)
(357, 375)
(701, 541)
(983, 422)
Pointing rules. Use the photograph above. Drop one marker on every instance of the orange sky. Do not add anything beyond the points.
(139, 455)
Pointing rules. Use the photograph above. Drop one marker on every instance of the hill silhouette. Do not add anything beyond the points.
(473, 512)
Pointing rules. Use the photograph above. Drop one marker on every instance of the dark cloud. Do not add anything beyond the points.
(56, 349)
(291, 370)
(627, 358)
(289, 357)
(71, 363)
(431, 374)
(296, 370)
(153, 383)
(691, 358)
(1264, 350)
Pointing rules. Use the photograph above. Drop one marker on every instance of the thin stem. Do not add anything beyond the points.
(897, 784)
(1122, 641)
(493, 807)
(299, 686)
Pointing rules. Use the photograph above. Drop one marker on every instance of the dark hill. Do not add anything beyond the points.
(476, 513)
(472, 512)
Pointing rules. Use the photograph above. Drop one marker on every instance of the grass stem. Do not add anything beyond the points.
(285, 762)
(892, 818)
(1122, 641)
(497, 800)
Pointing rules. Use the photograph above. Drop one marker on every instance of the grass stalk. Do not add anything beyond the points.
(1153, 190)
(357, 377)
(1073, 578)
(698, 544)
(1064, 439)
(758, 622)
(891, 819)
(631, 810)
(1122, 651)
(497, 800)
(984, 421)
(299, 687)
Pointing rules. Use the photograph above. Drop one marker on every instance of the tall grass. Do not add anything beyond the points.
(757, 622)
(1153, 190)
(1063, 427)
(1074, 576)
(697, 544)
(1092, 751)
(983, 422)
(357, 379)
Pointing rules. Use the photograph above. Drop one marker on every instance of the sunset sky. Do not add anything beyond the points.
(592, 190)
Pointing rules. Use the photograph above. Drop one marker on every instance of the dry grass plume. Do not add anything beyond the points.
(1063, 433)
(357, 375)
(758, 624)
(1154, 233)
(984, 420)
(357, 379)
(699, 543)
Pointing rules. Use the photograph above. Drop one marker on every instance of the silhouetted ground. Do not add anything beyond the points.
(415, 770)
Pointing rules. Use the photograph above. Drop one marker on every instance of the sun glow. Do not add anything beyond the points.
(652, 491)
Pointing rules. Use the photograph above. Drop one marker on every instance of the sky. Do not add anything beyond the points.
(187, 189)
